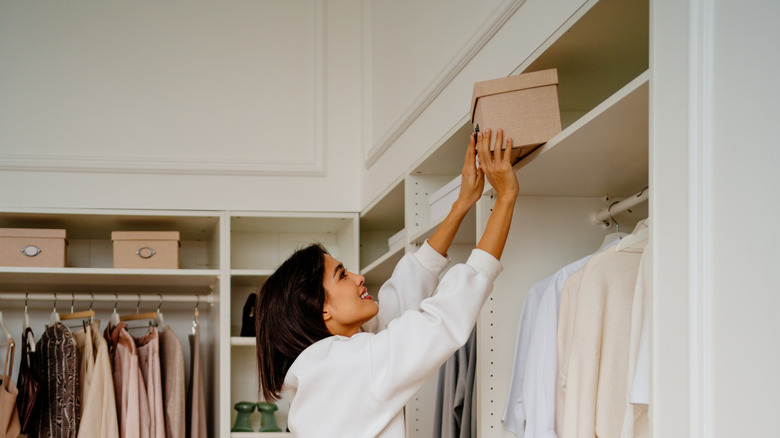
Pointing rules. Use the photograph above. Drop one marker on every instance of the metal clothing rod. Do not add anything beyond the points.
(64, 298)
(615, 209)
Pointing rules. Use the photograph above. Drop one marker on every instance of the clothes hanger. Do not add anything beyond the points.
(114, 319)
(138, 315)
(84, 315)
(30, 339)
(158, 320)
(195, 321)
(54, 317)
(611, 237)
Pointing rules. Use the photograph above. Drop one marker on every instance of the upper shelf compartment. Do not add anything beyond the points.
(598, 51)
(261, 241)
(89, 233)
(603, 152)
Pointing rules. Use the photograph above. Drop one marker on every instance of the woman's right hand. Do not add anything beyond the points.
(497, 165)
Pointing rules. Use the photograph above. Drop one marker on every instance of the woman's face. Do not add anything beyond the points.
(347, 302)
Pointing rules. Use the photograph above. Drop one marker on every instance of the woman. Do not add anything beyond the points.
(351, 365)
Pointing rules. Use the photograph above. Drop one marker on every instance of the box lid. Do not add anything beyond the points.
(145, 235)
(541, 78)
(32, 232)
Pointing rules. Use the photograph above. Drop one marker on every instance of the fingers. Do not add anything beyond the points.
(508, 150)
(470, 161)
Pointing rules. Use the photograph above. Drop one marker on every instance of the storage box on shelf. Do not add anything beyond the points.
(33, 247)
(146, 249)
(524, 106)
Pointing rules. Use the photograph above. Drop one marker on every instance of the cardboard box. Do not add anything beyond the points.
(524, 106)
(30, 247)
(440, 201)
(146, 249)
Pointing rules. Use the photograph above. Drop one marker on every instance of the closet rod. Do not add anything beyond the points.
(64, 298)
(606, 215)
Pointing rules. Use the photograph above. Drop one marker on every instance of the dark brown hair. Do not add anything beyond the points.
(288, 316)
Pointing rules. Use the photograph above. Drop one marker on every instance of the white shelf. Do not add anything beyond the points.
(604, 152)
(185, 281)
(381, 269)
(242, 341)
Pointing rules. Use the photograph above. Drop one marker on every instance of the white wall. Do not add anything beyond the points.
(228, 105)
(499, 36)
(715, 207)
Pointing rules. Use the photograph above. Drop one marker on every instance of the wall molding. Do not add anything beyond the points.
(313, 166)
(700, 146)
(489, 28)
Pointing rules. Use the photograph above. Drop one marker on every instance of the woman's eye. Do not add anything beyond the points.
(344, 273)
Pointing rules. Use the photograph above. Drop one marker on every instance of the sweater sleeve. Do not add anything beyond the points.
(415, 345)
(414, 278)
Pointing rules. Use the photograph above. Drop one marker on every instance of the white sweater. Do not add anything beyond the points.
(357, 386)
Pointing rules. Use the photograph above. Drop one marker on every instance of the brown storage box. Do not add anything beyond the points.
(146, 249)
(524, 106)
(32, 247)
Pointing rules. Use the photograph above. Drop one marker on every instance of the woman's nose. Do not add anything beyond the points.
(361, 279)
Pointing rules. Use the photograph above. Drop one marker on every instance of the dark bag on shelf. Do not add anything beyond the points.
(248, 316)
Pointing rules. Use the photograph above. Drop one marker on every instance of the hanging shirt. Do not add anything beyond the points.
(172, 366)
(513, 417)
(131, 400)
(530, 408)
(98, 413)
(58, 361)
(635, 422)
(542, 362)
(373, 375)
(196, 406)
(455, 413)
(597, 369)
(148, 348)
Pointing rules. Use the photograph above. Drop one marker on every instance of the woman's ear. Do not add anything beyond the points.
(326, 315)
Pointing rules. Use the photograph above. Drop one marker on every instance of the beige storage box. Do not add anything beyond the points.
(30, 247)
(525, 106)
(146, 249)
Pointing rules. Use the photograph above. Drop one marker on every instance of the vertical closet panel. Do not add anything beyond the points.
(547, 233)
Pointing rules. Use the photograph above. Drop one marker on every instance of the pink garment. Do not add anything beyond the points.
(131, 399)
(9, 416)
(149, 362)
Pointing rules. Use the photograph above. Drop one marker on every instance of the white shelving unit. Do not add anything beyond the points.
(224, 257)
(602, 56)
(257, 243)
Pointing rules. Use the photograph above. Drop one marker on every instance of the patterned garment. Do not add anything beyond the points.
(57, 359)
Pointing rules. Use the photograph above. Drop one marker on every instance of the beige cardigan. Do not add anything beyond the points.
(598, 363)
(98, 404)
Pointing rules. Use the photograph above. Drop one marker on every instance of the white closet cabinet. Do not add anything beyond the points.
(224, 257)
(601, 156)
(257, 244)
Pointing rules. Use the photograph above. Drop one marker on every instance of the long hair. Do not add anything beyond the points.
(288, 316)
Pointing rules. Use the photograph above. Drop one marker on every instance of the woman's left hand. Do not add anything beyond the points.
(472, 179)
